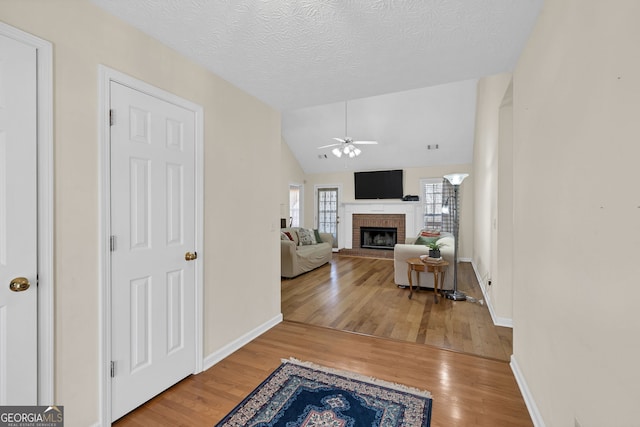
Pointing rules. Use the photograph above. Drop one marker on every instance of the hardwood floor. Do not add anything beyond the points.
(467, 390)
(358, 295)
(387, 338)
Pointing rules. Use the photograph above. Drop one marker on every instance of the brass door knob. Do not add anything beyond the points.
(190, 256)
(19, 284)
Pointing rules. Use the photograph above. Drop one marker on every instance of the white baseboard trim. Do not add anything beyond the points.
(536, 417)
(503, 321)
(225, 351)
(498, 321)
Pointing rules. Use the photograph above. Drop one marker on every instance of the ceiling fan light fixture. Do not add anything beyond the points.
(346, 145)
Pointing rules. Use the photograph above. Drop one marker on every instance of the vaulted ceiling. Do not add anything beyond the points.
(408, 68)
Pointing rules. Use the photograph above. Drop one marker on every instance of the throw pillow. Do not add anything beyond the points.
(306, 237)
(283, 236)
(425, 240)
(317, 234)
(430, 233)
(288, 235)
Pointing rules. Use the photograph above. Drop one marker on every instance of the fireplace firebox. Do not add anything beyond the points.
(378, 237)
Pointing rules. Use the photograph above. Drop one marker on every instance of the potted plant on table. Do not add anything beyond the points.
(434, 249)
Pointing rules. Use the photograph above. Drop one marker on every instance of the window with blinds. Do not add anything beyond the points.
(437, 192)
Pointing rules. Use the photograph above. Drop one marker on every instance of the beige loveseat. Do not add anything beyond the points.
(402, 252)
(296, 259)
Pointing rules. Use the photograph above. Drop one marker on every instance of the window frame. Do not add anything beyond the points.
(299, 188)
(436, 204)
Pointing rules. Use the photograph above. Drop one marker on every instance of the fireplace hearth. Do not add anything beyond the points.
(383, 238)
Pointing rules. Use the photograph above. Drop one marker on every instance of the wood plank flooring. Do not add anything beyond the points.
(387, 338)
(358, 294)
(467, 390)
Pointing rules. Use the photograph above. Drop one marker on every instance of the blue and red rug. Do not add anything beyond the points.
(302, 394)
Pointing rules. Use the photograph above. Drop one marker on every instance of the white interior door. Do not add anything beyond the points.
(18, 224)
(153, 224)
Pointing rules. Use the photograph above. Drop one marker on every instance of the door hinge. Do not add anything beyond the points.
(112, 243)
(112, 117)
(113, 369)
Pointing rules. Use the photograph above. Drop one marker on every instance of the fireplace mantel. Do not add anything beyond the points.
(411, 210)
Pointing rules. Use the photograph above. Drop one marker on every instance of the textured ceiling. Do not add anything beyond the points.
(302, 53)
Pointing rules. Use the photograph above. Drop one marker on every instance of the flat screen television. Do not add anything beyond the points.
(378, 184)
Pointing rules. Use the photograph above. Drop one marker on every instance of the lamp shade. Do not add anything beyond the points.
(456, 178)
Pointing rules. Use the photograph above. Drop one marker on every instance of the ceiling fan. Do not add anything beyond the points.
(346, 145)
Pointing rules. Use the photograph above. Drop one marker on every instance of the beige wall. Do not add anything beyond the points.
(501, 291)
(577, 213)
(412, 178)
(239, 130)
(290, 173)
(490, 136)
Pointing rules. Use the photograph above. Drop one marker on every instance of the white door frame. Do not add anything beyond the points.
(107, 75)
(340, 208)
(45, 209)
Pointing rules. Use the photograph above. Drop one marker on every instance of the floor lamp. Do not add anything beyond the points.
(455, 180)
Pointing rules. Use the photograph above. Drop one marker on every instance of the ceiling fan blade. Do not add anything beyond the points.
(327, 146)
(365, 142)
(340, 140)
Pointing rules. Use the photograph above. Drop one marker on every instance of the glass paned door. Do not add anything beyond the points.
(328, 212)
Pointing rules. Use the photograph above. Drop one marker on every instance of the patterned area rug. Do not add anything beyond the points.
(302, 394)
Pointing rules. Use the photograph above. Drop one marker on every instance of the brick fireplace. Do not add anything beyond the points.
(375, 221)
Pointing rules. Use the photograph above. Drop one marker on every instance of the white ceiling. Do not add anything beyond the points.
(303, 53)
(403, 123)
